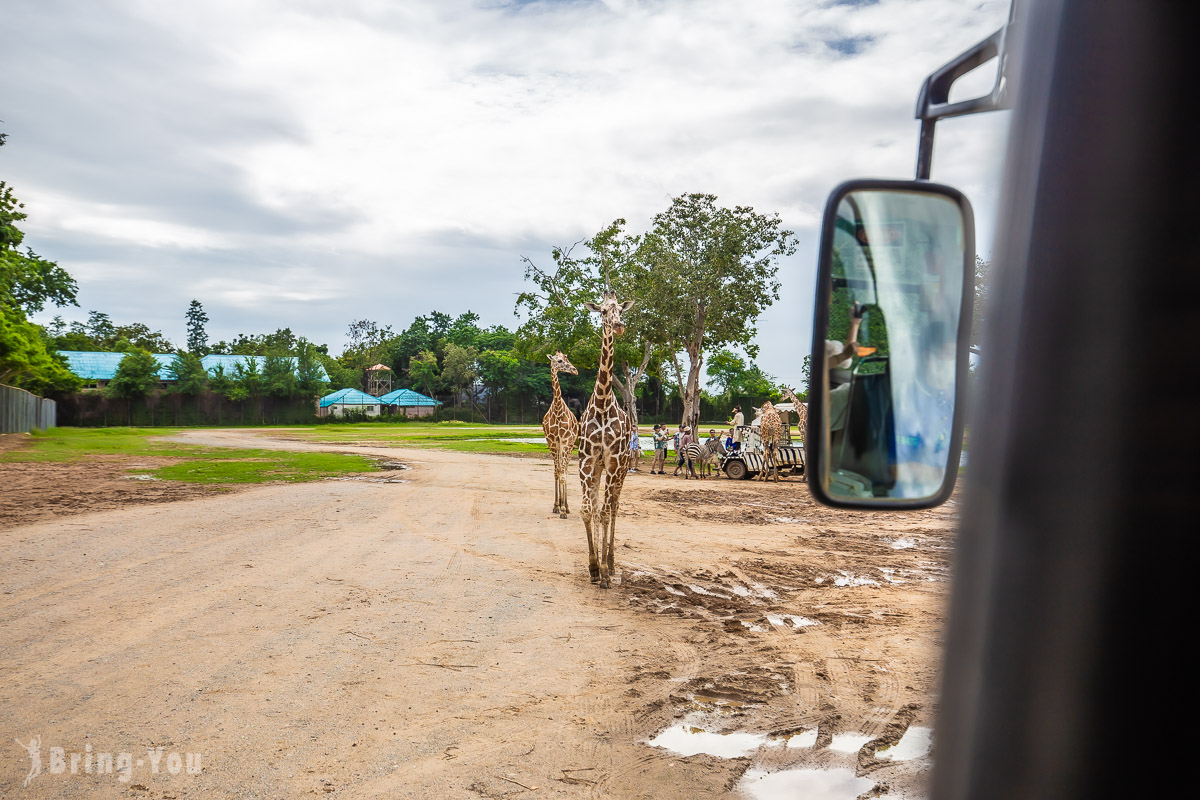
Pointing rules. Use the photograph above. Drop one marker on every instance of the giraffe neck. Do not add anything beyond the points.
(554, 383)
(604, 371)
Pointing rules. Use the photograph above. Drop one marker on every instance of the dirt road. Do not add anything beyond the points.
(438, 637)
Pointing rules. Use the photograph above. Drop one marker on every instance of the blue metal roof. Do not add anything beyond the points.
(97, 366)
(230, 363)
(101, 366)
(349, 397)
(406, 398)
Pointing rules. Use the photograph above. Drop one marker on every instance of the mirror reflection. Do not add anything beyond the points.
(897, 275)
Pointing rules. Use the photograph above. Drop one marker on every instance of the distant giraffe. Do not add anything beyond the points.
(801, 411)
(562, 432)
(604, 449)
(770, 430)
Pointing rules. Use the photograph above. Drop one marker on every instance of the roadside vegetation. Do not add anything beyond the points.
(184, 462)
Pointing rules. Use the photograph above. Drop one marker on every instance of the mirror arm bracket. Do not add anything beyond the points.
(933, 102)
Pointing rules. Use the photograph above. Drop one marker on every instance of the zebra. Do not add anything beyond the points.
(702, 455)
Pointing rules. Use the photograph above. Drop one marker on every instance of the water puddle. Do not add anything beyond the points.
(915, 743)
(790, 620)
(849, 579)
(810, 784)
(848, 742)
(688, 740)
(802, 740)
(903, 544)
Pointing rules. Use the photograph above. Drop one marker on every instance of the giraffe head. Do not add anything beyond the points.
(610, 310)
(559, 363)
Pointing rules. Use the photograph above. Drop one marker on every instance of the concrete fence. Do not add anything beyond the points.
(22, 412)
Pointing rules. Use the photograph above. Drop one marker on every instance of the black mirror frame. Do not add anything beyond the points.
(815, 440)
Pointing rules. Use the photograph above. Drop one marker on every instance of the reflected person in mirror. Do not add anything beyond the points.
(838, 358)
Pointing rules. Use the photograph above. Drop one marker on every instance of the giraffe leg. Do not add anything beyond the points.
(557, 480)
(563, 511)
(587, 481)
(612, 537)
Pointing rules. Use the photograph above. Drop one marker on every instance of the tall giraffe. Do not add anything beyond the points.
(562, 431)
(801, 411)
(604, 449)
(770, 430)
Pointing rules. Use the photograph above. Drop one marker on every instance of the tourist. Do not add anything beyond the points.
(660, 449)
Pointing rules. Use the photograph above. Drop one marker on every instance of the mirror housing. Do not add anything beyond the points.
(891, 338)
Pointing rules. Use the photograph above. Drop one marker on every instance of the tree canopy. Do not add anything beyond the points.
(28, 283)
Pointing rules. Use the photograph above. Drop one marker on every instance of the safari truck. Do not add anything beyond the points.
(1083, 437)
(747, 460)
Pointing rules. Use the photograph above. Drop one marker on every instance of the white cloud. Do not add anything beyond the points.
(412, 145)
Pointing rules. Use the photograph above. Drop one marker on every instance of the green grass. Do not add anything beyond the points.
(462, 437)
(197, 464)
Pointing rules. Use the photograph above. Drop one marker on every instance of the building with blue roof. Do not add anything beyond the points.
(96, 369)
(348, 401)
(409, 403)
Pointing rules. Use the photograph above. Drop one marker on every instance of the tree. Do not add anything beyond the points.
(279, 376)
(135, 378)
(711, 273)
(189, 376)
(197, 336)
(423, 372)
(248, 383)
(458, 369)
(497, 370)
(309, 382)
(558, 319)
(729, 372)
(25, 360)
(28, 283)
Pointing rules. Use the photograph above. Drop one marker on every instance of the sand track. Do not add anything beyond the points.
(439, 637)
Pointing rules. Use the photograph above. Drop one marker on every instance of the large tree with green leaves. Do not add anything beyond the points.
(557, 318)
(711, 273)
(424, 372)
(458, 369)
(28, 283)
(734, 376)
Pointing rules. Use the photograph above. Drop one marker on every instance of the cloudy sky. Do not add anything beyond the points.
(304, 163)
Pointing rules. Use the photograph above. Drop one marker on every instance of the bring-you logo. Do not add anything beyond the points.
(121, 765)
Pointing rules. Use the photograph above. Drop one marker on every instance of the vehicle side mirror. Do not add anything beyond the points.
(891, 334)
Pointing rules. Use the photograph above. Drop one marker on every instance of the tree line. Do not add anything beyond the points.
(700, 278)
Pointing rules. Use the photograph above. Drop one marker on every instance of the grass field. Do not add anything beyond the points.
(190, 463)
(460, 436)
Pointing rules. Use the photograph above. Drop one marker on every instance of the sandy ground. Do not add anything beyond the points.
(438, 637)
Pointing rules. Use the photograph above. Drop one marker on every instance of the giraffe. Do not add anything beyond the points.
(562, 432)
(770, 430)
(801, 411)
(604, 449)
